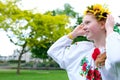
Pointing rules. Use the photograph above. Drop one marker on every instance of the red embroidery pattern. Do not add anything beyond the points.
(87, 70)
(95, 53)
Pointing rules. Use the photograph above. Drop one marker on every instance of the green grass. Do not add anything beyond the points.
(6, 74)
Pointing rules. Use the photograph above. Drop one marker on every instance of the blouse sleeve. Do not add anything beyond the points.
(113, 48)
(57, 50)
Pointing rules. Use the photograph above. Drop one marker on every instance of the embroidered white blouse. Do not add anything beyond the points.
(77, 60)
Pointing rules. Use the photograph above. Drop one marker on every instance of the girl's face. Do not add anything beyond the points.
(92, 27)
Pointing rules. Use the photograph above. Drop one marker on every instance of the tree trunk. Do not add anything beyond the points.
(19, 62)
(20, 56)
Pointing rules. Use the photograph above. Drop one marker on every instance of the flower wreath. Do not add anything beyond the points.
(99, 11)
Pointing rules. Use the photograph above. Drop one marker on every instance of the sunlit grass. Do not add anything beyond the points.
(6, 74)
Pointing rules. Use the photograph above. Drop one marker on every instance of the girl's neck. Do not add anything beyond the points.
(100, 42)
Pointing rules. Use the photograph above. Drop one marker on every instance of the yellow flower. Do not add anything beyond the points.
(97, 7)
(98, 10)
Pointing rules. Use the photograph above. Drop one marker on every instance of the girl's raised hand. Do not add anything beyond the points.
(78, 31)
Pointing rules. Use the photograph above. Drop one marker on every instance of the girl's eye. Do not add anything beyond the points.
(87, 22)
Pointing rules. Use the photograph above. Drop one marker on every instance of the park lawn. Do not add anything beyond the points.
(7, 74)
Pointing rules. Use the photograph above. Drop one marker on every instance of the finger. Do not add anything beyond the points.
(100, 62)
(103, 63)
(99, 56)
(80, 26)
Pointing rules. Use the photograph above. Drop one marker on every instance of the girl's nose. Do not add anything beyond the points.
(85, 28)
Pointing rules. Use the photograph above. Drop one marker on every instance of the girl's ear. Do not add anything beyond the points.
(102, 23)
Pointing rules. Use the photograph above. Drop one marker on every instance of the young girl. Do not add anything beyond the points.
(97, 59)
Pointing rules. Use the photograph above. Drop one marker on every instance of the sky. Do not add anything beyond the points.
(7, 48)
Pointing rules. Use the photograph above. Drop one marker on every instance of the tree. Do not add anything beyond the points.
(12, 23)
(27, 30)
(49, 30)
(56, 30)
(69, 11)
(40, 52)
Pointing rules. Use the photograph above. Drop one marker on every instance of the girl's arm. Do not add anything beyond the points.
(58, 50)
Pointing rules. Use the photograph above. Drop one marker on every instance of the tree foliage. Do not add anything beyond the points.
(45, 31)
(27, 29)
